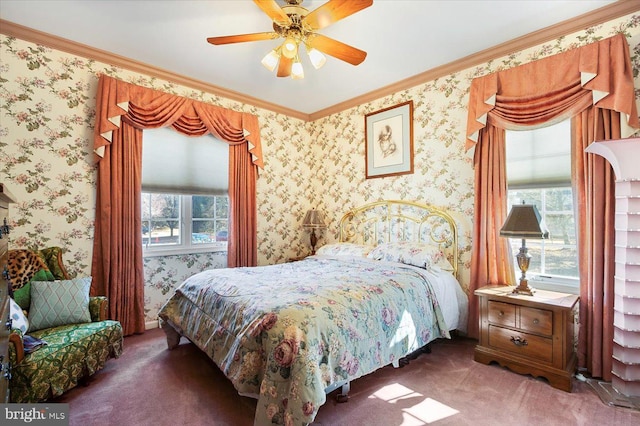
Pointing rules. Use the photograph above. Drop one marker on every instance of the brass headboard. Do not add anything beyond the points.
(397, 220)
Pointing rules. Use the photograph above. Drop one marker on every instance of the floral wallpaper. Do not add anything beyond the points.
(46, 161)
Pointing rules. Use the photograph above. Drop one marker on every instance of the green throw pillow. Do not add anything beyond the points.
(22, 296)
(55, 303)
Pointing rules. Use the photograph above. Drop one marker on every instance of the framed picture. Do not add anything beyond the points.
(389, 141)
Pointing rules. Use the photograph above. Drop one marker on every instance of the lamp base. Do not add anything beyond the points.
(523, 258)
(523, 288)
(313, 240)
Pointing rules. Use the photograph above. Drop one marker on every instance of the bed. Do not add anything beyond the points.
(288, 334)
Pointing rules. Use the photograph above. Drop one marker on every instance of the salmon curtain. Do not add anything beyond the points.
(123, 110)
(594, 184)
(491, 261)
(597, 76)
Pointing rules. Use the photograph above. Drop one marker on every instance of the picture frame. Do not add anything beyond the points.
(389, 141)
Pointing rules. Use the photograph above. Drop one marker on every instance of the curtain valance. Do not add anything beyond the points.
(555, 88)
(148, 108)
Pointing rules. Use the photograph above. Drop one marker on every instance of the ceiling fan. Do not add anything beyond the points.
(297, 26)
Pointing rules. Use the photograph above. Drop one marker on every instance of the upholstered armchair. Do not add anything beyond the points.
(48, 306)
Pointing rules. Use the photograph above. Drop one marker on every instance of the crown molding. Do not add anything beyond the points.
(65, 45)
(596, 17)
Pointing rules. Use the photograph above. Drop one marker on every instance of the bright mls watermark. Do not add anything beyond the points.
(35, 414)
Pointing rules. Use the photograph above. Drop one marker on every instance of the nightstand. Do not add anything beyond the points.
(529, 334)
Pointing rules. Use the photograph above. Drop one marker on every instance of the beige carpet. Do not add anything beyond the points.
(150, 385)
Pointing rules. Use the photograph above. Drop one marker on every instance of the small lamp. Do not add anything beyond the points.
(524, 221)
(313, 220)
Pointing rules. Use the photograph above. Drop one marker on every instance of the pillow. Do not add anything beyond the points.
(55, 303)
(22, 265)
(52, 256)
(422, 255)
(22, 296)
(344, 249)
(18, 319)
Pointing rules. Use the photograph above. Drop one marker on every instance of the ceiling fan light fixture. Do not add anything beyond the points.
(317, 58)
(271, 60)
(297, 72)
(294, 25)
(289, 48)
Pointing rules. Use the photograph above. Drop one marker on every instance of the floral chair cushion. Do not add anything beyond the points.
(72, 352)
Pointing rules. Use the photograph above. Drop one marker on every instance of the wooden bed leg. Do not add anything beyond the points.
(173, 337)
(426, 349)
(343, 396)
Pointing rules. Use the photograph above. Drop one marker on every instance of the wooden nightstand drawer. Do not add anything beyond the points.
(523, 344)
(529, 334)
(502, 313)
(536, 320)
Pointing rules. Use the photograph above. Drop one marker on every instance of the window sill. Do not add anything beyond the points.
(181, 251)
(559, 285)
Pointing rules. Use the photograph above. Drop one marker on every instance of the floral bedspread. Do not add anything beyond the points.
(284, 333)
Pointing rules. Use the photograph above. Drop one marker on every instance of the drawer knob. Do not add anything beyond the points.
(518, 341)
(500, 314)
(536, 321)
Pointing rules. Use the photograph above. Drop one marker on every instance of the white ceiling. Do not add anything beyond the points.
(403, 38)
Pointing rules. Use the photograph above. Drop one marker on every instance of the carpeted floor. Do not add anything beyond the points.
(150, 385)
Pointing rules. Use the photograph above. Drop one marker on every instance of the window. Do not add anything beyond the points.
(539, 173)
(169, 219)
(185, 206)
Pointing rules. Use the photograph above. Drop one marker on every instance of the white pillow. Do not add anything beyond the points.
(18, 318)
(422, 255)
(344, 249)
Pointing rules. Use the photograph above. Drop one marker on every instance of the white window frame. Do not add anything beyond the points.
(186, 227)
(545, 281)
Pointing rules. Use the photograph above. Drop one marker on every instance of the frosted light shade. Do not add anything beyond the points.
(297, 72)
(317, 58)
(270, 60)
(290, 48)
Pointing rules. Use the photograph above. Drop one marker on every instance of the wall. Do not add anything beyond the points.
(443, 170)
(46, 160)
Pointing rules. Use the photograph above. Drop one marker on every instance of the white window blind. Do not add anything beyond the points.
(539, 158)
(175, 163)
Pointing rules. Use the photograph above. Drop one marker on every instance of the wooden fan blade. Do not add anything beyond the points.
(333, 11)
(275, 12)
(241, 38)
(284, 67)
(337, 49)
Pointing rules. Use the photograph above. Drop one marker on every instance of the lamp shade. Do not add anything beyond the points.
(524, 221)
(314, 220)
(316, 57)
(271, 60)
(289, 48)
(297, 72)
